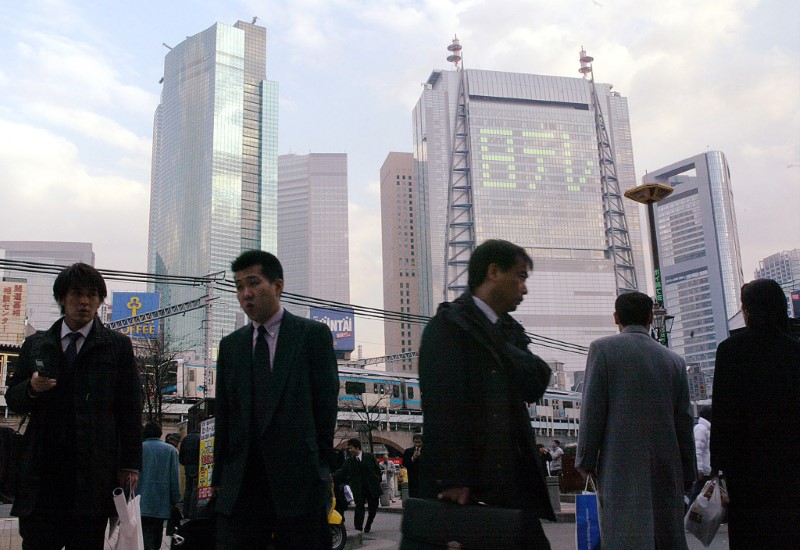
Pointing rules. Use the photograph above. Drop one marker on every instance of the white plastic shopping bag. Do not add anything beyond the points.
(705, 515)
(130, 521)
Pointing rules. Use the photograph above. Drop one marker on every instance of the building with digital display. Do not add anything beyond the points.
(536, 181)
(214, 169)
(784, 267)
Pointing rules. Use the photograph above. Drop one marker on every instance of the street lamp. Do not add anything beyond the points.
(649, 194)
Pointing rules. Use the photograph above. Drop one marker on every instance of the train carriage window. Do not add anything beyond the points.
(567, 404)
(375, 388)
(410, 392)
(395, 391)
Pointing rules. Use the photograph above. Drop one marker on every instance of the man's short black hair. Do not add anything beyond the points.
(151, 429)
(271, 267)
(765, 304)
(494, 251)
(634, 308)
(354, 443)
(417, 436)
(79, 276)
(557, 442)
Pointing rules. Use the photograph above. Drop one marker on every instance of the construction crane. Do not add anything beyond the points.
(617, 238)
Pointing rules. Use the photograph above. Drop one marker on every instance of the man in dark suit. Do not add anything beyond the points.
(363, 473)
(476, 374)
(79, 383)
(755, 432)
(411, 459)
(276, 403)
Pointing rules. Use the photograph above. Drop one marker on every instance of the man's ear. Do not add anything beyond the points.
(278, 286)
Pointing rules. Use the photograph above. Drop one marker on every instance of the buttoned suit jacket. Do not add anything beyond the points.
(295, 442)
(354, 473)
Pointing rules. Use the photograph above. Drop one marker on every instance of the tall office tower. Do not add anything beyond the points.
(42, 309)
(400, 231)
(535, 182)
(313, 238)
(698, 248)
(214, 169)
(784, 267)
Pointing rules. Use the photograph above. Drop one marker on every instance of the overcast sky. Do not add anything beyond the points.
(79, 86)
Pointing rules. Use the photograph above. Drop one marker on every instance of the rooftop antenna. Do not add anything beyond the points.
(166, 45)
(455, 52)
(255, 18)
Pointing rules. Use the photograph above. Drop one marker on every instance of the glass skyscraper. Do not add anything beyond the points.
(214, 169)
(783, 267)
(536, 182)
(698, 247)
(313, 242)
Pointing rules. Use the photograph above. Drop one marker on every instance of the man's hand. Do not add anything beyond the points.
(586, 474)
(459, 495)
(41, 384)
(128, 479)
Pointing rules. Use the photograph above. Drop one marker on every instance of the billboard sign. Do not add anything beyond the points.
(12, 312)
(795, 295)
(341, 322)
(131, 304)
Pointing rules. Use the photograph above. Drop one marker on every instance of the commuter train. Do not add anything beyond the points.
(556, 411)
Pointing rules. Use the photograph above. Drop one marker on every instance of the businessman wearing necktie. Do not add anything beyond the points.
(276, 403)
(79, 383)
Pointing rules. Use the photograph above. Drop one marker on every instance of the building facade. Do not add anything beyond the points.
(313, 234)
(698, 247)
(536, 182)
(784, 267)
(41, 309)
(400, 239)
(214, 170)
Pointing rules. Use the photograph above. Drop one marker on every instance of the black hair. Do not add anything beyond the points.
(271, 267)
(417, 436)
(704, 412)
(557, 442)
(354, 443)
(633, 308)
(765, 304)
(79, 276)
(151, 429)
(494, 251)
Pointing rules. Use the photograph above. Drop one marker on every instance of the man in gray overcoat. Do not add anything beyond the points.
(636, 433)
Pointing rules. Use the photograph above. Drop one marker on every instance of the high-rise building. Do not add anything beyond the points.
(400, 232)
(214, 169)
(313, 238)
(698, 248)
(42, 309)
(536, 182)
(783, 267)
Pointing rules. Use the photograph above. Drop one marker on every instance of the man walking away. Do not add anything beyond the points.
(159, 485)
(636, 433)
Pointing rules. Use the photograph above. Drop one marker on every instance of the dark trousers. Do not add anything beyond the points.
(254, 523)
(152, 532)
(190, 497)
(55, 529)
(372, 507)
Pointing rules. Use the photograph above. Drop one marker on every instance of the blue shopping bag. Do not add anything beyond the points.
(587, 518)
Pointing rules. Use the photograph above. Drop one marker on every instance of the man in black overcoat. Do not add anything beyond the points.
(476, 375)
(276, 403)
(363, 473)
(755, 434)
(79, 384)
(411, 460)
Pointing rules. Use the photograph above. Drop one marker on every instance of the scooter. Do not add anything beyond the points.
(336, 524)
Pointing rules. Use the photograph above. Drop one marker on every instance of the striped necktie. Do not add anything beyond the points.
(72, 349)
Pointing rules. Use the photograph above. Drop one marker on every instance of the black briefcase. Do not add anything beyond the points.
(429, 524)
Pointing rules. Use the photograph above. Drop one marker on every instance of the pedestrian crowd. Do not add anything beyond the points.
(275, 466)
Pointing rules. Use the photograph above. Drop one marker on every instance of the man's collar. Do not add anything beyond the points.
(488, 311)
(272, 323)
(84, 330)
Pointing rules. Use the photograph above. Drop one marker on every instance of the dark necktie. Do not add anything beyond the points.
(72, 349)
(261, 374)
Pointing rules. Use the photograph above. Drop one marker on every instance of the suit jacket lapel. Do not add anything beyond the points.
(285, 351)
